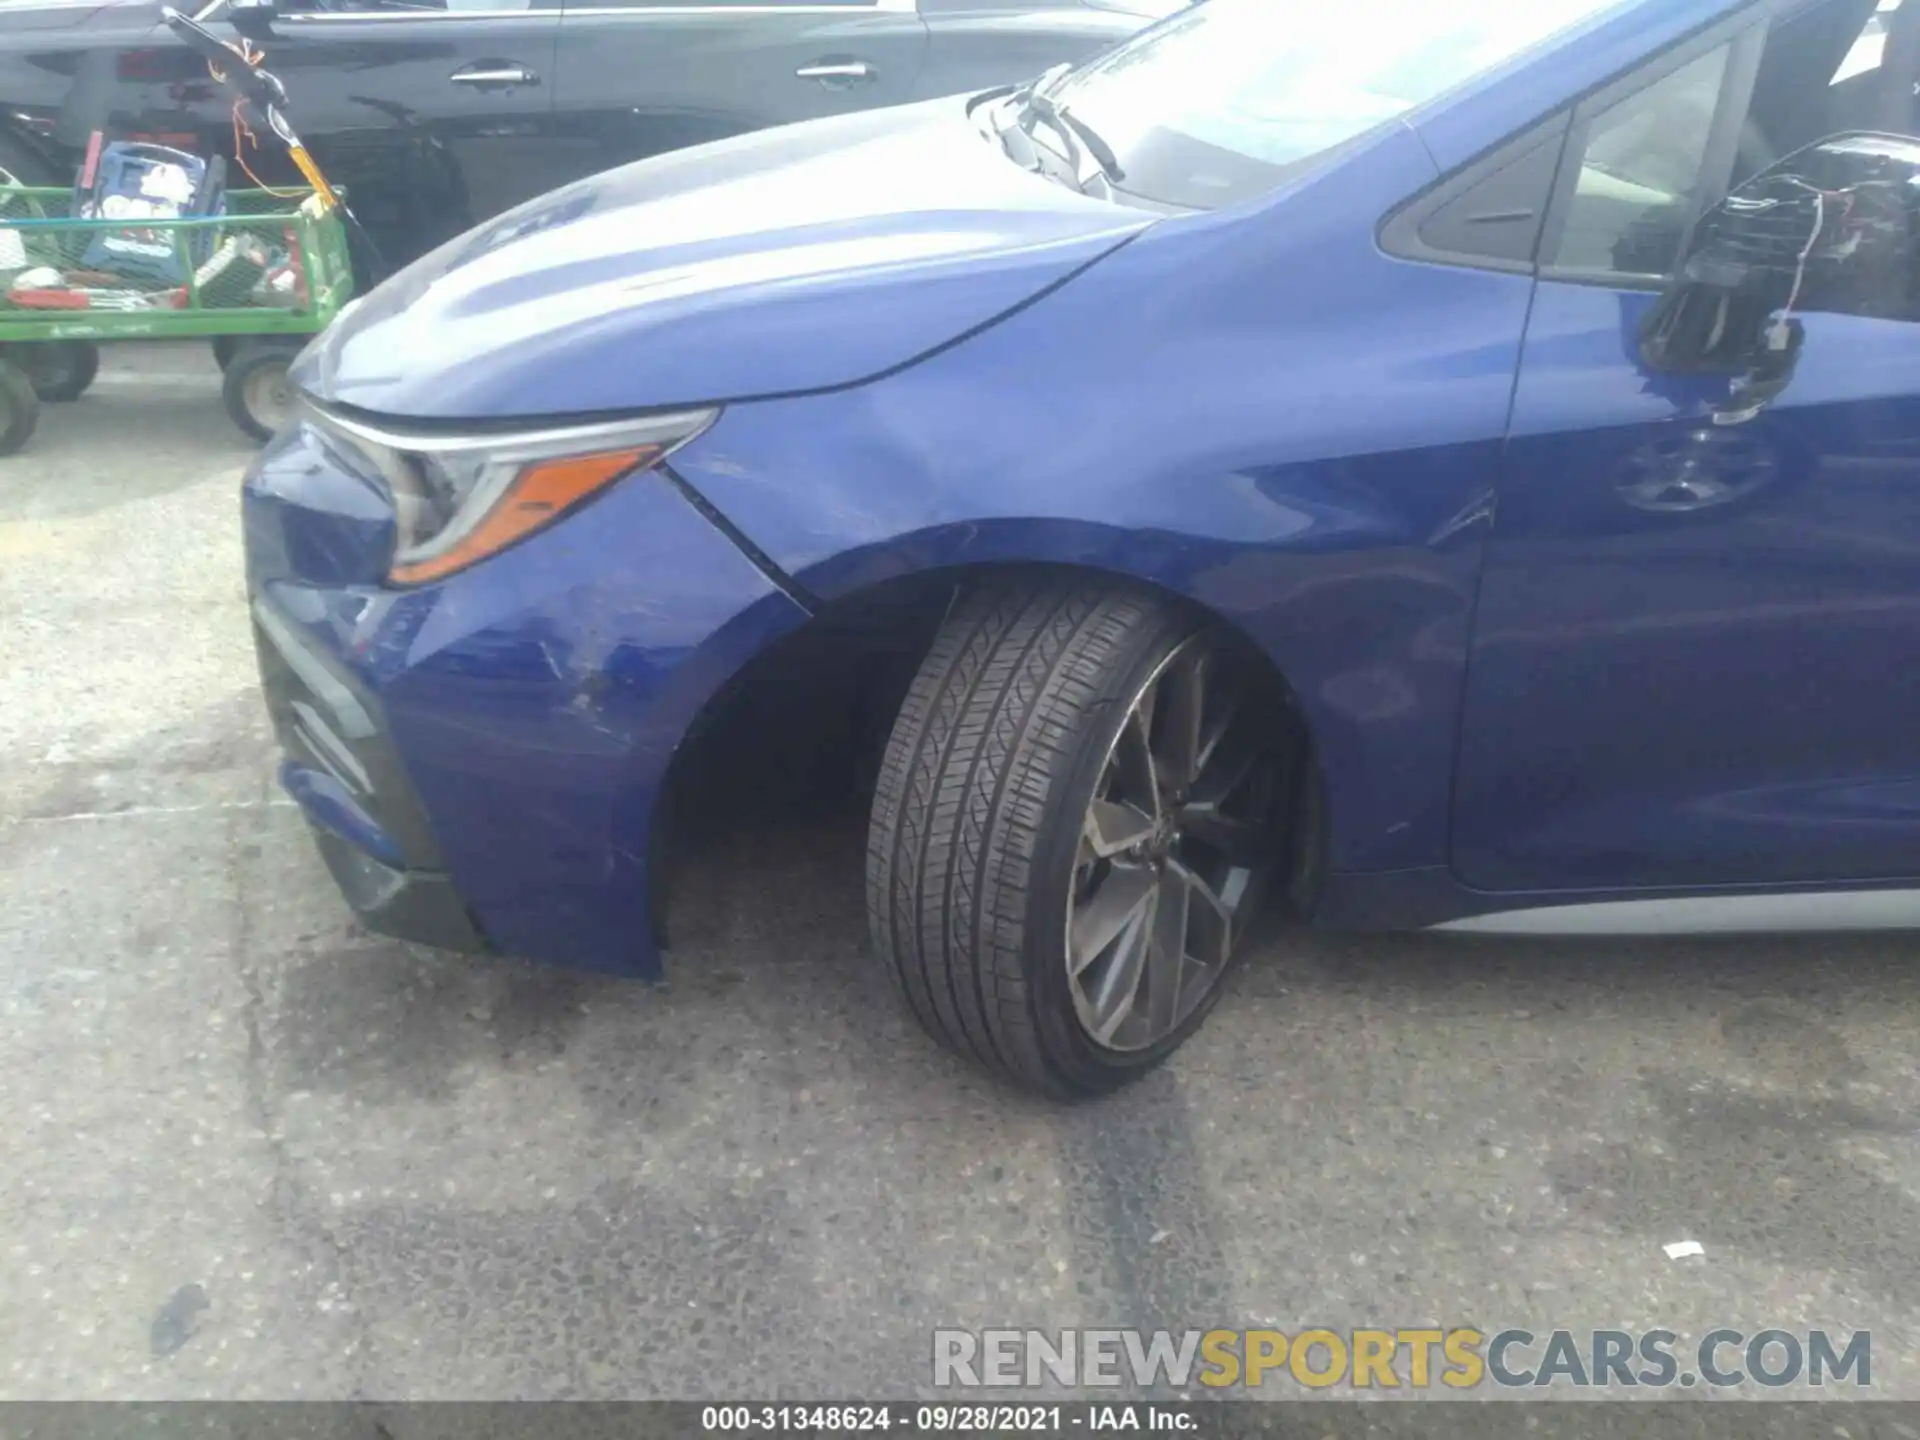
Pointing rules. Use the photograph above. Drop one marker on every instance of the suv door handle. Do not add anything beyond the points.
(494, 73)
(845, 72)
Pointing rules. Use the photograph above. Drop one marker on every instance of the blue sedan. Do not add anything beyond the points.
(1464, 474)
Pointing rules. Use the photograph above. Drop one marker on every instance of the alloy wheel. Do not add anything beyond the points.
(1173, 850)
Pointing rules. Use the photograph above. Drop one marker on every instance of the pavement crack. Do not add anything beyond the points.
(289, 1196)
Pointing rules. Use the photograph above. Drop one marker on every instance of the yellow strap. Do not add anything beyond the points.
(312, 172)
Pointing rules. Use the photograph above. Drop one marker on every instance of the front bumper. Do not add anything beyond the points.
(341, 769)
(481, 760)
(416, 905)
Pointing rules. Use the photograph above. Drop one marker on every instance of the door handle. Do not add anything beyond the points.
(828, 71)
(495, 74)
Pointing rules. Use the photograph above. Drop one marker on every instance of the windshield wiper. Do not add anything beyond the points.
(1069, 126)
(1033, 103)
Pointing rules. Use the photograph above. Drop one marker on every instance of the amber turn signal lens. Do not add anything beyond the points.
(540, 494)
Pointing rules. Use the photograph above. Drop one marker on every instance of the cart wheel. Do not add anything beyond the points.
(224, 347)
(19, 407)
(258, 395)
(62, 369)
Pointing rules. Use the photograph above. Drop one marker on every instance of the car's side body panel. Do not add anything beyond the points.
(1693, 662)
(1692, 650)
(1307, 448)
(1261, 410)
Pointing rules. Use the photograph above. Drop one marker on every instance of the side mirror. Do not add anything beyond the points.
(1831, 227)
(1725, 317)
(253, 18)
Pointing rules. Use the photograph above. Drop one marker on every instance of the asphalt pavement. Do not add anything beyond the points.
(249, 1151)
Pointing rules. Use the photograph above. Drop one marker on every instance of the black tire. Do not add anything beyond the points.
(63, 370)
(225, 347)
(19, 407)
(977, 819)
(255, 389)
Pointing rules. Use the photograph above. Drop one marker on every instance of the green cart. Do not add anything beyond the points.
(256, 280)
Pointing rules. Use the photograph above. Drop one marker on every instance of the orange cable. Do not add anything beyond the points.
(240, 128)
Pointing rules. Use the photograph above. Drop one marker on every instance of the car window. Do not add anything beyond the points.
(1222, 101)
(1639, 180)
(1639, 170)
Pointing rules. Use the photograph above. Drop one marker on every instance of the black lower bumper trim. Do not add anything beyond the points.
(417, 905)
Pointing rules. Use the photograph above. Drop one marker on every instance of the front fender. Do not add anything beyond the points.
(538, 702)
(1360, 596)
(1258, 411)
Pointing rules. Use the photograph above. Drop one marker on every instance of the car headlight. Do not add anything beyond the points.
(459, 498)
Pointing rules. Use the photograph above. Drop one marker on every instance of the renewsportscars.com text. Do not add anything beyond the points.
(1457, 1358)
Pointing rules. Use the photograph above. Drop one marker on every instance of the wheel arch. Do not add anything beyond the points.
(809, 714)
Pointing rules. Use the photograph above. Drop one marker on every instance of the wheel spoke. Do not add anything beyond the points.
(1195, 885)
(1165, 862)
(1218, 727)
(1118, 989)
(1227, 763)
(1240, 841)
(1185, 687)
(1212, 916)
(1134, 767)
(1167, 953)
(1106, 913)
(1112, 827)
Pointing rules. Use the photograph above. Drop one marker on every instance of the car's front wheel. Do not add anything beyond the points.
(1072, 826)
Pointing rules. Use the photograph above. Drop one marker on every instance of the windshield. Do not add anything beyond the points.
(1220, 102)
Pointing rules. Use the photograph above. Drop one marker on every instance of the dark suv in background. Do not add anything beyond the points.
(438, 114)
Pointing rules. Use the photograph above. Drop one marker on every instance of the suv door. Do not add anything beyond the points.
(640, 78)
(1693, 658)
(435, 114)
(432, 114)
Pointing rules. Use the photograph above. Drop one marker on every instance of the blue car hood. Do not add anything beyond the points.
(801, 258)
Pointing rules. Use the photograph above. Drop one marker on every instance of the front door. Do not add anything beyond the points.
(432, 114)
(1697, 648)
(434, 117)
(642, 77)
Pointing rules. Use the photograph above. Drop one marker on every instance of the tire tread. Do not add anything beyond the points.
(1009, 695)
